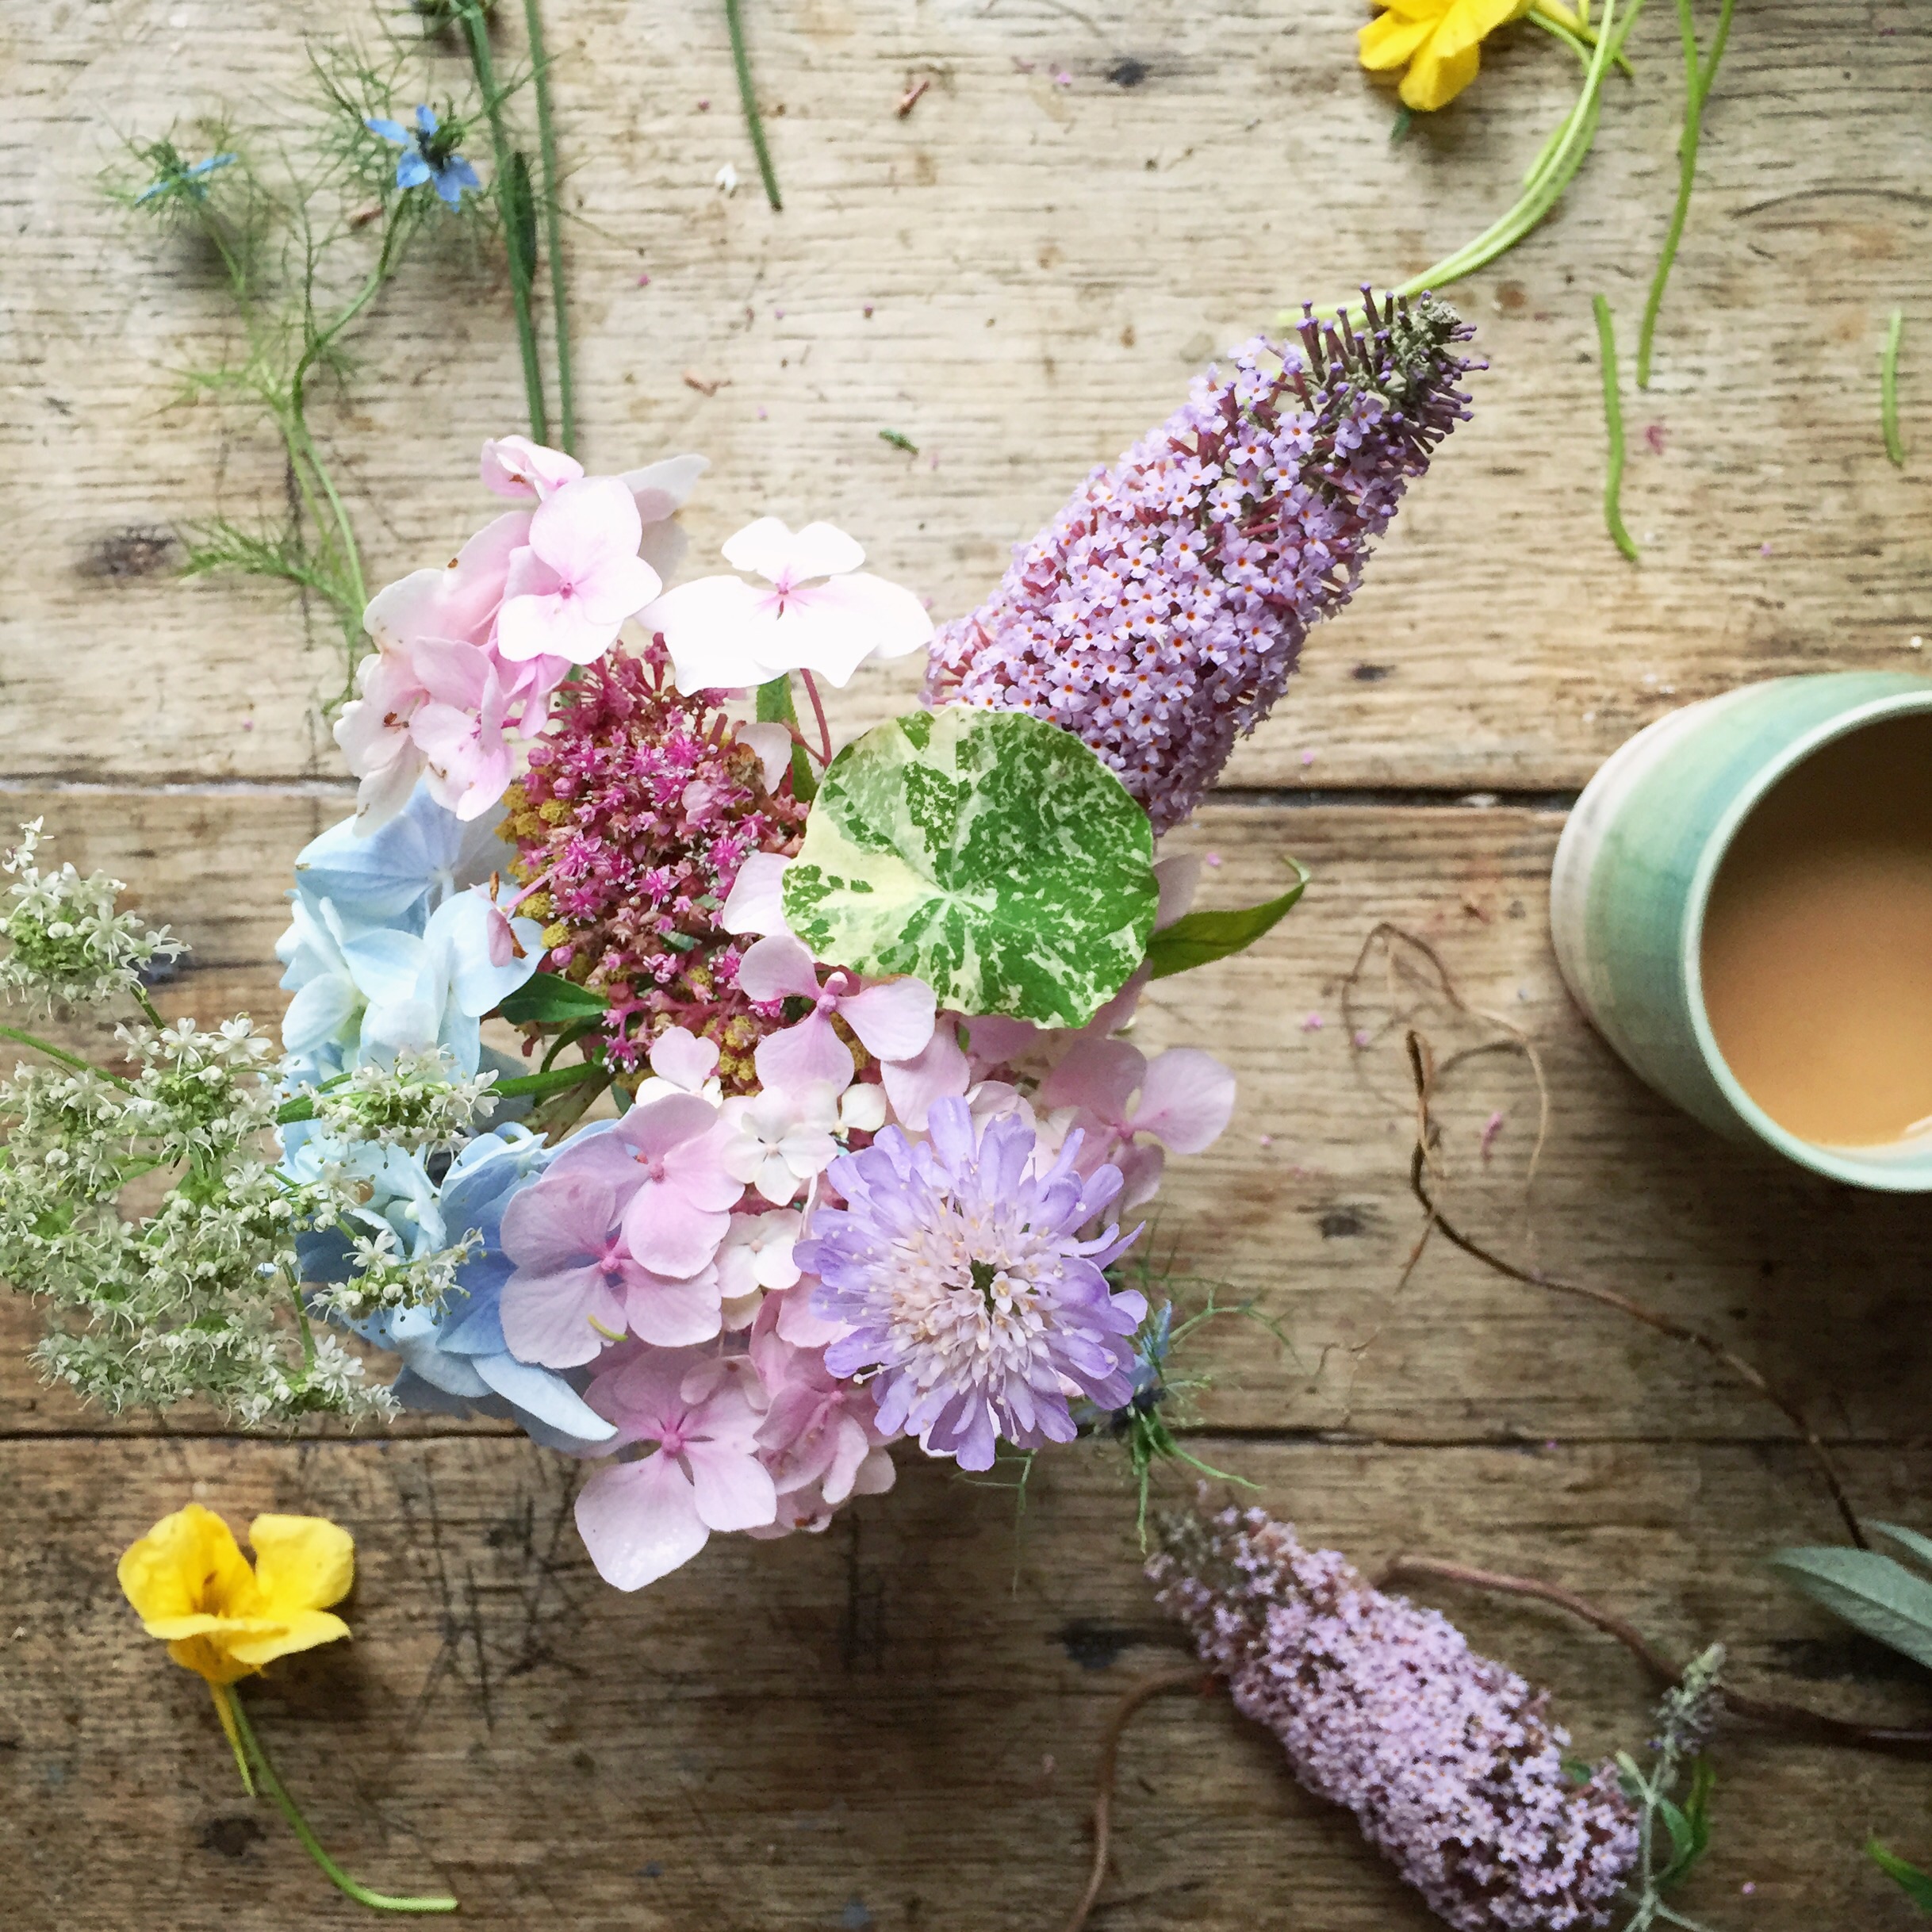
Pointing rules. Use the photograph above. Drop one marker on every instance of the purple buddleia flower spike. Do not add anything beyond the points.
(1159, 615)
(1444, 1756)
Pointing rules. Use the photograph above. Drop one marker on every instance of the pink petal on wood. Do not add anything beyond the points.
(639, 1521)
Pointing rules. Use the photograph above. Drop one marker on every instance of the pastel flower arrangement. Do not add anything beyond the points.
(824, 1137)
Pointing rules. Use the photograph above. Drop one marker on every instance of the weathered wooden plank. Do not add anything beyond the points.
(892, 1726)
(1304, 1205)
(1018, 275)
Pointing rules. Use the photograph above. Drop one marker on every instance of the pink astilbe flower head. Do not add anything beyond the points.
(1160, 615)
(1445, 1756)
(639, 808)
(961, 1265)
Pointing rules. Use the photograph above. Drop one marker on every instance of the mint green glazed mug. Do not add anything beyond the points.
(1632, 880)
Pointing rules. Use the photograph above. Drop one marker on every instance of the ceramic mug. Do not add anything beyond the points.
(1633, 875)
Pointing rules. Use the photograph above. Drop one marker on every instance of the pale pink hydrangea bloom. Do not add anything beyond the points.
(663, 1162)
(893, 1020)
(640, 1520)
(819, 1436)
(818, 611)
(577, 1285)
(681, 1062)
(470, 652)
(1182, 1098)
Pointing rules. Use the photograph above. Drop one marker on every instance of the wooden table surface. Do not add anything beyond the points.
(894, 1725)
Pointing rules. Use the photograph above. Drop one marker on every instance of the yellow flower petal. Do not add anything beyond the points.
(177, 1628)
(207, 1657)
(1387, 42)
(191, 1586)
(301, 1563)
(1432, 82)
(1466, 25)
(188, 1564)
(302, 1631)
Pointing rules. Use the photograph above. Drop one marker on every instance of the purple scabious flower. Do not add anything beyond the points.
(1159, 615)
(968, 1288)
(1444, 1756)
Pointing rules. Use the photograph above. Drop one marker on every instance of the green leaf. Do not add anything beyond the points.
(1198, 937)
(989, 853)
(1916, 1885)
(545, 1000)
(1921, 1547)
(1689, 1827)
(1879, 1597)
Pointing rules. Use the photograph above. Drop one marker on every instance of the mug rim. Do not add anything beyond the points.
(1858, 1167)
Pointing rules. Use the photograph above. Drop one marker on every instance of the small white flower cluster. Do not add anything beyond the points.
(204, 1296)
(385, 1279)
(420, 1100)
(69, 942)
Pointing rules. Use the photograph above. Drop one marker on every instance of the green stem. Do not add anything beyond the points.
(302, 450)
(553, 226)
(1698, 75)
(1576, 42)
(1563, 154)
(741, 60)
(65, 1058)
(1888, 388)
(1613, 423)
(521, 270)
(380, 1901)
(224, 1709)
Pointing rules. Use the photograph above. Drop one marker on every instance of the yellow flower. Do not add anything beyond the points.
(189, 1584)
(1439, 41)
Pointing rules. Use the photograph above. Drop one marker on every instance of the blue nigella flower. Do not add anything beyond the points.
(430, 154)
(178, 177)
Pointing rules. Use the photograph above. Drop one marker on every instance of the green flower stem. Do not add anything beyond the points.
(741, 60)
(1563, 153)
(65, 1059)
(1888, 388)
(1579, 43)
(380, 1901)
(224, 1709)
(1698, 75)
(1613, 423)
(302, 450)
(555, 1081)
(522, 271)
(552, 226)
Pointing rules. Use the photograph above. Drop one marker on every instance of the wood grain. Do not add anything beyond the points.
(1087, 202)
(892, 1726)
(1304, 1205)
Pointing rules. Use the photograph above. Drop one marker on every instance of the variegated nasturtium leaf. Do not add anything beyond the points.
(990, 854)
